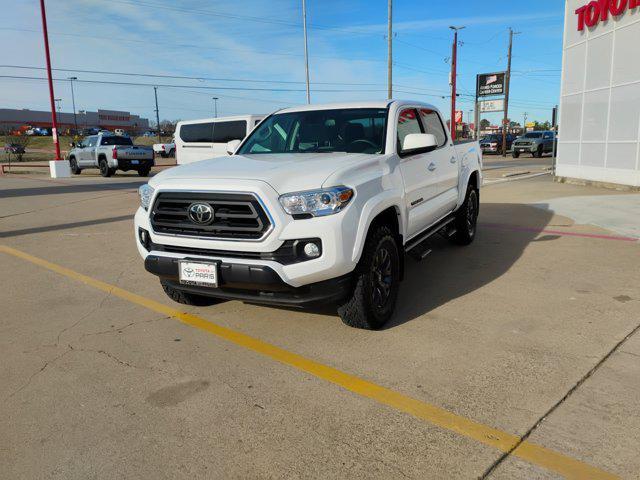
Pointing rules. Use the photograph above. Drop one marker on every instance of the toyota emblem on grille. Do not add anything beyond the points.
(201, 213)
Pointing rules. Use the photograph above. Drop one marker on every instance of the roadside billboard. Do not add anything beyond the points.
(488, 84)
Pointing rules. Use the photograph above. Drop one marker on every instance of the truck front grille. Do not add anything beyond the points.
(236, 216)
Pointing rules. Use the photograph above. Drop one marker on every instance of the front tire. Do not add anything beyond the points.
(376, 281)
(515, 154)
(467, 218)
(73, 164)
(186, 298)
(539, 152)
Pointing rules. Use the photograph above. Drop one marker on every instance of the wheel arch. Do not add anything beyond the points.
(391, 216)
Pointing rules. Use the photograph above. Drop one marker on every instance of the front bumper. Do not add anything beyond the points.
(525, 148)
(252, 283)
(337, 234)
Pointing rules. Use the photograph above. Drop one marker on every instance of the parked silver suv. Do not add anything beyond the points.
(535, 143)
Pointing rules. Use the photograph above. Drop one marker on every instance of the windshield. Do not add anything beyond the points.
(533, 135)
(115, 140)
(491, 138)
(354, 130)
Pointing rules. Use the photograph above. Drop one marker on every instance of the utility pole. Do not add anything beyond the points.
(506, 95)
(54, 120)
(215, 107)
(155, 92)
(524, 125)
(306, 49)
(73, 101)
(454, 67)
(390, 51)
(58, 104)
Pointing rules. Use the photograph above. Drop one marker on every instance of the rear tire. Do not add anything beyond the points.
(188, 298)
(73, 163)
(144, 172)
(105, 171)
(467, 218)
(376, 281)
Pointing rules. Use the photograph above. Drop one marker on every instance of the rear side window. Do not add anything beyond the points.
(213, 132)
(407, 124)
(224, 132)
(433, 125)
(116, 141)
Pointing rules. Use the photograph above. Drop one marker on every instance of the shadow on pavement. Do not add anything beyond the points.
(64, 226)
(452, 271)
(60, 189)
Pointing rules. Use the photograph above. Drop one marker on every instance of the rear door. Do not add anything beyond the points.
(446, 162)
(548, 139)
(420, 176)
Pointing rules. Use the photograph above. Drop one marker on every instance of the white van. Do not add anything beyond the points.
(207, 138)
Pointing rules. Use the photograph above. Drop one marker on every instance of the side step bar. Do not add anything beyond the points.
(417, 240)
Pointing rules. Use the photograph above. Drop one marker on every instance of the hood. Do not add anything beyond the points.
(286, 172)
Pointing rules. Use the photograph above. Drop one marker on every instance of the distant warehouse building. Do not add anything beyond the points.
(599, 136)
(11, 119)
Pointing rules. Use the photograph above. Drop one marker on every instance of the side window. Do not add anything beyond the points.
(91, 141)
(196, 132)
(224, 132)
(548, 136)
(407, 123)
(433, 124)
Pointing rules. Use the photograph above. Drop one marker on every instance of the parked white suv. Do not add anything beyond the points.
(318, 204)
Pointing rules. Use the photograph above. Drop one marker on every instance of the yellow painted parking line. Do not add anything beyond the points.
(503, 441)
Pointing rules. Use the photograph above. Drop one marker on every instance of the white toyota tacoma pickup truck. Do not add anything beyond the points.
(318, 204)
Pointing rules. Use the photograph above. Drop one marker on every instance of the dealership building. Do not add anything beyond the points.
(11, 119)
(599, 128)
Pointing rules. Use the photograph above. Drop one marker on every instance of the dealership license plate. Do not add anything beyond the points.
(198, 273)
(134, 162)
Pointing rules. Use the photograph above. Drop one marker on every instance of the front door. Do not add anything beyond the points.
(420, 176)
(446, 161)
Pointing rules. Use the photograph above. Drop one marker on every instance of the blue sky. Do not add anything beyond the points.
(250, 53)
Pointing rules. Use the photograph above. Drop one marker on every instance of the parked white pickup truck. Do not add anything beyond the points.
(109, 153)
(318, 204)
(164, 149)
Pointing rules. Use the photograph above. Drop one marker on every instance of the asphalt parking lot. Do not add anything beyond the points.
(517, 357)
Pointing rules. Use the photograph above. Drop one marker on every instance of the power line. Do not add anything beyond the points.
(200, 87)
(184, 77)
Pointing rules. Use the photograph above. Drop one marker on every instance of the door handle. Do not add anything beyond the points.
(453, 159)
(431, 167)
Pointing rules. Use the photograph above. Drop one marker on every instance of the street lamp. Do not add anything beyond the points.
(73, 101)
(215, 107)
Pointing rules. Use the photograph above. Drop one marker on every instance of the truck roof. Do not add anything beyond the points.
(359, 104)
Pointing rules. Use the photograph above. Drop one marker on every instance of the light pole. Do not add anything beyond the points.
(54, 120)
(73, 101)
(58, 104)
(306, 48)
(390, 49)
(454, 68)
(524, 125)
(215, 107)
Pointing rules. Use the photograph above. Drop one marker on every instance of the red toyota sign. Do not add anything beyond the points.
(598, 11)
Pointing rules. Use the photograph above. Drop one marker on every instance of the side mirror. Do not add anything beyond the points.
(419, 143)
(72, 144)
(232, 146)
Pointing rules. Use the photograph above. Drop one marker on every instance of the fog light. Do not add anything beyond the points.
(144, 238)
(311, 250)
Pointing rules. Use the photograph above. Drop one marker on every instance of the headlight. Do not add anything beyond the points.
(317, 203)
(146, 193)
